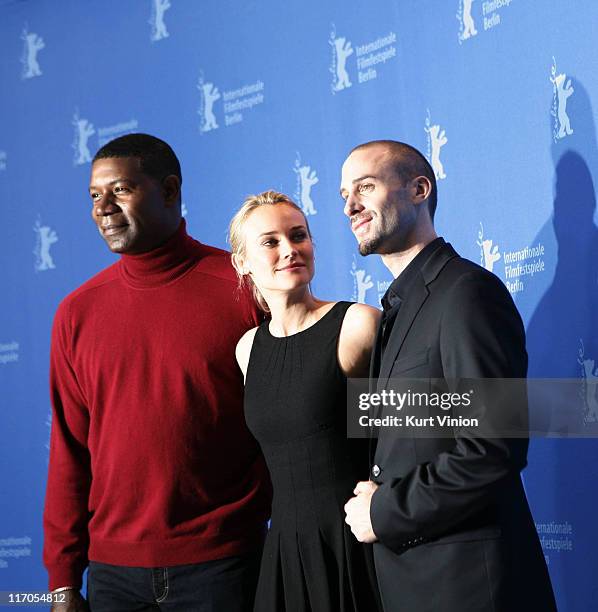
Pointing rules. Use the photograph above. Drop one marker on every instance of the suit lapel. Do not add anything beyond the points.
(412, 304)
(405, 317)
(403, 322)
(410, 307)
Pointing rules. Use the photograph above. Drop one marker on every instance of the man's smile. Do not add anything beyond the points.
(360, 225)
(113, 228)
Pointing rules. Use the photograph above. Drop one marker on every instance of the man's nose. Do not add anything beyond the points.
(105, 206)
(352, 206)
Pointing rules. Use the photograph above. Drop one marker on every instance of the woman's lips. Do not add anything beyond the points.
(291, 267)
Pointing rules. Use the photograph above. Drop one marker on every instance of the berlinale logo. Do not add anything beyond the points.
(436, 140)
(489, 253)
(208, 94)
(306, 179)
(341, 50)
(562, 90)
(159, 31)
(83, 131)
(33, 44)
(589, 373)
(45, 238)
(466, 23)
(362, 281)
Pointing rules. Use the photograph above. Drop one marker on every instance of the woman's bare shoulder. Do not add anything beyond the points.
(243, 349)
(357, 339)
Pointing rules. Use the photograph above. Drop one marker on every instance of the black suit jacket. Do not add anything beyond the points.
(454, 528)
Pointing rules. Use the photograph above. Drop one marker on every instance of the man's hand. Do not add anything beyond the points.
(358, 512)
(73, 602)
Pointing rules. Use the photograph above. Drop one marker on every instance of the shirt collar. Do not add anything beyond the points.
(400, 286)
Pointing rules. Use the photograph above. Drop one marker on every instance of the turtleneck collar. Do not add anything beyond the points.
(162, 265)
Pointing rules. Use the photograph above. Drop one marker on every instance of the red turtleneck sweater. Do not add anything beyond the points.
(151, 463)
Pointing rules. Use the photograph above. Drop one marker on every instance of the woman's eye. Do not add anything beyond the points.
(300, 236)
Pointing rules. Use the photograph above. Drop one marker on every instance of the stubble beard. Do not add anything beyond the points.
(118, 244)
(369, 247)
(373, 244)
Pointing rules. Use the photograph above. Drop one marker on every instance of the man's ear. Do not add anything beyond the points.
(423, 189)
(171, 189)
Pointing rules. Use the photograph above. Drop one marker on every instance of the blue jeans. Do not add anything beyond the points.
(222, 585)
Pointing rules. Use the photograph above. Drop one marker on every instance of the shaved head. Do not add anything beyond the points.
(407, 163)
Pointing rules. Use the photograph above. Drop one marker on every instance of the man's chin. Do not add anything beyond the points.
(118, 246)
(368, 247)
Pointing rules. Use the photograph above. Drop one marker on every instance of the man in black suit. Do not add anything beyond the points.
(448, 515)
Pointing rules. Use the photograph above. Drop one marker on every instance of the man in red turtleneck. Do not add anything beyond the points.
(154, 481)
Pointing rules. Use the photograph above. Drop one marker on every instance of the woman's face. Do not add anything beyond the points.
(279, 253)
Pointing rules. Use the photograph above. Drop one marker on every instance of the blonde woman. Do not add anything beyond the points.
(295, 366)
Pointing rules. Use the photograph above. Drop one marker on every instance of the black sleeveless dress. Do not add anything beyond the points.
(295, 406)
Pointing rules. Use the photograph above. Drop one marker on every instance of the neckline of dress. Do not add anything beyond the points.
(267, 325)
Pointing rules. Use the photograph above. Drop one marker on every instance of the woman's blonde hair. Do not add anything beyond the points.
(236, 237)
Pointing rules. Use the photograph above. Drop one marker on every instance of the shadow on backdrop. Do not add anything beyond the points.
(562, 339)
(567, 315)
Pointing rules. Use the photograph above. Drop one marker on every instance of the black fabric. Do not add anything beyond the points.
(295, 405)
(399, 288)
(454, 528)
(387, 321)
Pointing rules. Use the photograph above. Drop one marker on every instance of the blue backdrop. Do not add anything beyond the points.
(255, 95)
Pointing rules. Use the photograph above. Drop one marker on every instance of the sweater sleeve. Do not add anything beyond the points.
(253, 314)
(66, 513)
